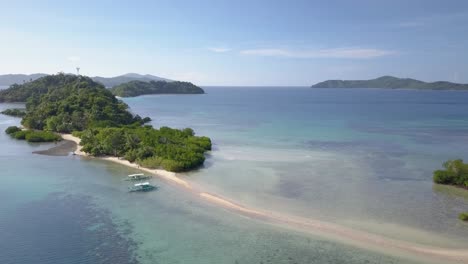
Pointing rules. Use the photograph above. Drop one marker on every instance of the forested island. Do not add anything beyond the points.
(77, 104)
(390, 82)
(16, 112)
(136, 88)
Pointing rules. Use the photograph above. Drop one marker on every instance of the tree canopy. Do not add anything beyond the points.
(171, 149)
(455, 173)
(76, 104)
(32, 135)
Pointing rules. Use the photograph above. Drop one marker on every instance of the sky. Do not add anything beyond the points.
(238, 43)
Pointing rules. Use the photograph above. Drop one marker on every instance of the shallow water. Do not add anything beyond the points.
(361, 157)
(77, 210)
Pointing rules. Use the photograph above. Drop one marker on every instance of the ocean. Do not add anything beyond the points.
(358, 158)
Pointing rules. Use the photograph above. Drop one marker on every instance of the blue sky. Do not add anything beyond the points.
(238, 42)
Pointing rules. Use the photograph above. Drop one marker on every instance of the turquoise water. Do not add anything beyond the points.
(362, 158)
(357, 158)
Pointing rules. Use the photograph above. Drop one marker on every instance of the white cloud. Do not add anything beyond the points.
(219, 49)
(338, 53)
(73, 58)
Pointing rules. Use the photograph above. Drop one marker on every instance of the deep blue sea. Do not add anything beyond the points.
(359, 158)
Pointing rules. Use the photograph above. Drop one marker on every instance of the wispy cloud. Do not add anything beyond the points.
(73, 58)
(411, 24)
(338, 53)
(219, 49)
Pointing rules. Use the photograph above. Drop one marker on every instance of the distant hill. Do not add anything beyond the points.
(9, 79)
(390, 82)
(136, 88)
(113, 81)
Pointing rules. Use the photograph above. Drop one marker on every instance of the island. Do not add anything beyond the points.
(117, 80)
(16, 112)
(76, 104)
(136, 88)
(390, 82)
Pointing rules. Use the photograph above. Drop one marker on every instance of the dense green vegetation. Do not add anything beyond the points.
(21, 92)
(32, 135)
(455, 173)
(75, 103)
(14, 112)
(66, 103)
(12, 129)
(390, 82)
(171, 149)
(463, 216)
(136, 88)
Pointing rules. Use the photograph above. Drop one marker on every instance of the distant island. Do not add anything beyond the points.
(136, 88)
(114, 81)
(10, 79)
(78, 105)
(390, 82)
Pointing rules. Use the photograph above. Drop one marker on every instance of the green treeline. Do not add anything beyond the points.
(136, 88)
(14, 112)
(69, 103)
(171, 149)
(455, 173)
(21, 92)
(32, 135)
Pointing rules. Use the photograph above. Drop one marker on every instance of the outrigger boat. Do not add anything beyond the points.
(142, 187)
(137, 177)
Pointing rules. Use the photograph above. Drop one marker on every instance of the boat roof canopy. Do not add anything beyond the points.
(136, 174)
(142, 184)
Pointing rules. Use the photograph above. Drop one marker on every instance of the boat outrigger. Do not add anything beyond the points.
(142, 187)
(137, 177)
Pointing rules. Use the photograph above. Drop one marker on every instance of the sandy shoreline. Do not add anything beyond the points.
(350, 236)
(62, 148)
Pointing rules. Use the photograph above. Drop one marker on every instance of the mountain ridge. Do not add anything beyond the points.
(10, 79)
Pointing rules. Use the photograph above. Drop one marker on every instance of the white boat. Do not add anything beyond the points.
(137, 177)
(142, 187)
